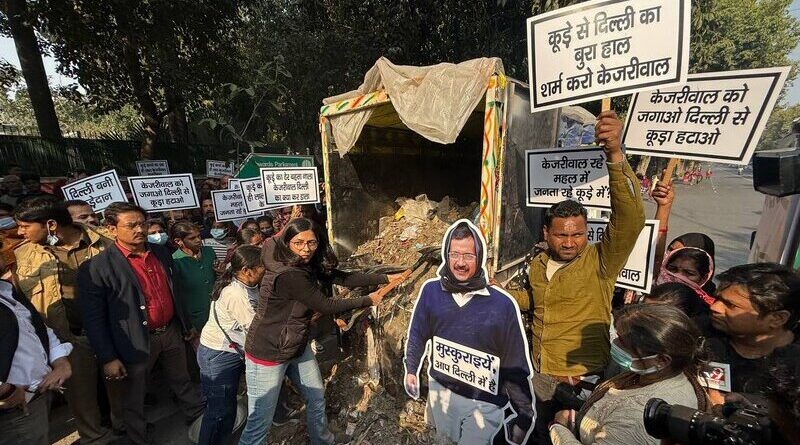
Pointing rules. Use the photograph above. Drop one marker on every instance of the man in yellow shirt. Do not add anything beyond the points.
(571, 284)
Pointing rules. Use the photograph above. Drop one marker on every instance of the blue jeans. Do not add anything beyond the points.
(264, 386)
(220, 372)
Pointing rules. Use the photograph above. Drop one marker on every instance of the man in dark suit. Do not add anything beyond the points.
(132, 317)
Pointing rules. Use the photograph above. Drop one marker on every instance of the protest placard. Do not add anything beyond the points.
(99, 190)
(253, 193)
(233, 184)
(152, 168)
(606, 47)
(218, 169)
(256, 161)
(556, 175)
(229, 205)
(638, 271)
(715, 117)
(167, 192)
(290, 185)
(465, 364)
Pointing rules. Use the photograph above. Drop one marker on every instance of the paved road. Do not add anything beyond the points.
(726, 208)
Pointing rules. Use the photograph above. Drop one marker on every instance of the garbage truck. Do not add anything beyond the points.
(449, 130)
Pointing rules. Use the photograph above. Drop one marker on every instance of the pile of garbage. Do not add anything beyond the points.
(364, 389)
(418, 223)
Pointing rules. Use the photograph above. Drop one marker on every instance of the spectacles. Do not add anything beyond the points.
(468, 257)
(299, 245)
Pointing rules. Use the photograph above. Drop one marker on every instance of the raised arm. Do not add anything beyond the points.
(664, 194)
(627, 210)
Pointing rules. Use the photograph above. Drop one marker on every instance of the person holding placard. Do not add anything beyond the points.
(571, 283)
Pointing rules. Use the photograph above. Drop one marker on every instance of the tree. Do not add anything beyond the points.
(20, 26)
(779, 126)
(9, 76)
(162, 56)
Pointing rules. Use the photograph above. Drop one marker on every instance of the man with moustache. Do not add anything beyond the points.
(572, 282)
(478, 356)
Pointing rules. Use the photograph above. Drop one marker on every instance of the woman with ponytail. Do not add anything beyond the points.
(221, 351)
(660, 348)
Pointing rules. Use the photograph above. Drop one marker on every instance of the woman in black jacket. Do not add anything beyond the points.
(298, 263)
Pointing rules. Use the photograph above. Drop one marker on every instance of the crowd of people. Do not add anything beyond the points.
(91, 304)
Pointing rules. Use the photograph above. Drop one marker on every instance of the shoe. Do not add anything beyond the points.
(285, 414)
(317, 347)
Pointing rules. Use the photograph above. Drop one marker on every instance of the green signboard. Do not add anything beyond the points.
(251, 166)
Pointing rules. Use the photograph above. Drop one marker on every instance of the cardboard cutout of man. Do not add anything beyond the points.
(472, 334)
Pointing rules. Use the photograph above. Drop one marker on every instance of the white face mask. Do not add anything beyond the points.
(52, 239)
(158, 238)
(646, 371)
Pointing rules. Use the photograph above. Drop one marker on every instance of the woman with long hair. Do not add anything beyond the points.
(660, 349)
(693, 267)
(221, 351)
(298, 262)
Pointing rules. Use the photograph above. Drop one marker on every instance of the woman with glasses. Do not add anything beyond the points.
(299, 262)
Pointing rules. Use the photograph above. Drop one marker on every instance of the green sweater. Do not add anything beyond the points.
(572, 311)
(194, 281)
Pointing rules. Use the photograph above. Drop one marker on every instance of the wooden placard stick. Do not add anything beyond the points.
(668, 172)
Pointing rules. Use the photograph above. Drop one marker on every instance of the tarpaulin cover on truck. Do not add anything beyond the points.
(433, 101)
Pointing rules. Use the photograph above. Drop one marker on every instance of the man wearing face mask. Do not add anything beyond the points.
(47, 265)
(478, 360)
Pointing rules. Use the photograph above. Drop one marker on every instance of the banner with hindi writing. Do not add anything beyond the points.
(218, 169)
(465, 364)
(717, 117)
(229, 205)
(606, 48)
(559, 174)
(99, 190)
(290, 185)
(166, 192)
(152, 168)
(253, 193)
(637, 274)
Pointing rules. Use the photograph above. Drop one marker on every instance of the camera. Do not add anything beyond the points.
(688, 426)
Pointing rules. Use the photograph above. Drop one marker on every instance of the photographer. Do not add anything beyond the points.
(658, 345)
(757, 307)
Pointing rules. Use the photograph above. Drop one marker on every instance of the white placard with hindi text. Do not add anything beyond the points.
(253, 193)
(152, 168)
(290, 185)
(637, 274)
(167, 192)
(606, 48)
(717, 117)
(218, 169)
(233, 184)
(471, 366)
(229, 205)
(99, 190)
(559, 174)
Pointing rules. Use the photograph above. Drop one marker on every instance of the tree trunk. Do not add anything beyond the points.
(30, 60)
(176, 122)
(644, 162)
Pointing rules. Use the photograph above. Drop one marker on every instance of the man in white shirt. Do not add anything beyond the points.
(32, 362)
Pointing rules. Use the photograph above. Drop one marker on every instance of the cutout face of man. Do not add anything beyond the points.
(462, 259)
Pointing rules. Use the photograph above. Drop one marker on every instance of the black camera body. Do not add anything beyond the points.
(688, 426)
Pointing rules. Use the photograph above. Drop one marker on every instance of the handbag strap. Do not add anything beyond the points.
(231, 343)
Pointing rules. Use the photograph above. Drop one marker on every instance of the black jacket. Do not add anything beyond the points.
(9, 332)
(287, 300)
(114, 308)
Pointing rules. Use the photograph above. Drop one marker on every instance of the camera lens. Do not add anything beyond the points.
(656, 418)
